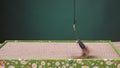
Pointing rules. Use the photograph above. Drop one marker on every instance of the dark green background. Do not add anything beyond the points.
(53, 19)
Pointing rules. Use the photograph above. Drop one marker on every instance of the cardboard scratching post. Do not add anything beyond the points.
(27, 50)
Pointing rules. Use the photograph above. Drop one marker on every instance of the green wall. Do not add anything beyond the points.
(53, 19)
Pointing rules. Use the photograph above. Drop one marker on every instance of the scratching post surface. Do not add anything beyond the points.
(117, 44)
(55, 50)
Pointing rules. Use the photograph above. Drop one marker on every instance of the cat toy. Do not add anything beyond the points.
(85, 51)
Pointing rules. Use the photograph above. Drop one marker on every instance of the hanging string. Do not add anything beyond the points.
(74, 23)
